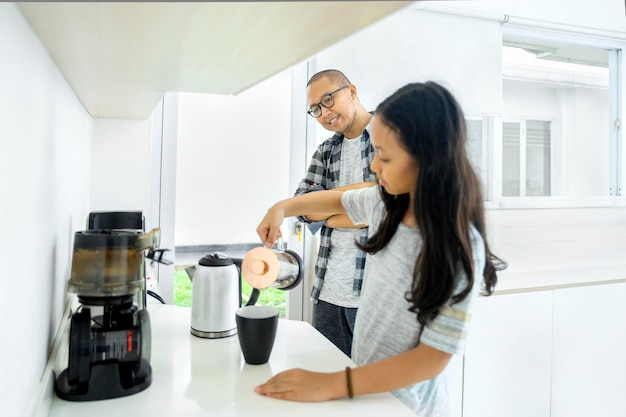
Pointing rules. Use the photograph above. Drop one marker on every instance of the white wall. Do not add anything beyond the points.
(45, 139)
(601, 14)
(412, 46)
(560, 241)
(233, 162)
(120, 161)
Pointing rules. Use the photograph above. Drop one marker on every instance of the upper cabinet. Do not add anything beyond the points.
(120, 58)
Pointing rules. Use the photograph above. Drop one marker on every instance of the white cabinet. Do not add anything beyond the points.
(589, 354)
(454, 375)
(507, 358)
(552, 353)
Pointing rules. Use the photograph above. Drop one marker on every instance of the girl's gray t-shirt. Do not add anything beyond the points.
(384, 326)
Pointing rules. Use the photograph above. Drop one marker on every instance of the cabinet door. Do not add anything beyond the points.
(507, 359)
(454, 375)
(589, 362)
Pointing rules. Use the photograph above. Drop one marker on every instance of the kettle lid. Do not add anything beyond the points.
(215, 259)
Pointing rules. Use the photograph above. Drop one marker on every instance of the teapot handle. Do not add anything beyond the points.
(254, 296)
(237, 262)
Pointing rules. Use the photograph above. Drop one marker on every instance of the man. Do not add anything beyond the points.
(341, 162)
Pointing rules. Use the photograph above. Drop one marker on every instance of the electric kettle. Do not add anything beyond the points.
(215, 296)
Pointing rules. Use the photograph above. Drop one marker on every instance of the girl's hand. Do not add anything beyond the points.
(269, 228)
(301, 385)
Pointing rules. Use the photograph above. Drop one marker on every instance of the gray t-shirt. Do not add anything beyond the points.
(384, 326)
(339, 277)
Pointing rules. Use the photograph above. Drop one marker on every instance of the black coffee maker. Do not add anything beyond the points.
(109, 341)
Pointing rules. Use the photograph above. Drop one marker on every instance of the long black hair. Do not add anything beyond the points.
(448, 197)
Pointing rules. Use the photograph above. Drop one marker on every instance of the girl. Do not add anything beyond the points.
(429, 255)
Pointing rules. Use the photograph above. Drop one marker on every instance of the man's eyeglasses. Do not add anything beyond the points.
(327, 101)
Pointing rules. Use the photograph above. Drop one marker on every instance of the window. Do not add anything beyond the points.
(526, 158)
(559, 118)
(477, 141)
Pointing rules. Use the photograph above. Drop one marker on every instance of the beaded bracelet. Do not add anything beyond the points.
(349, 382)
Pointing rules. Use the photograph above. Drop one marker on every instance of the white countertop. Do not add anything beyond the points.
(512, 281)
(208, 377)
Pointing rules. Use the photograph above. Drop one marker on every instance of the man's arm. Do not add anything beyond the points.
(314, 175)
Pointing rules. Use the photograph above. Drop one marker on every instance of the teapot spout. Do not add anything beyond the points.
(191, 270)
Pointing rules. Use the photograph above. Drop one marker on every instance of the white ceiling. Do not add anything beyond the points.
(120, 58)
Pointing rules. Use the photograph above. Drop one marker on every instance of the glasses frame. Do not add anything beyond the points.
(319, 105)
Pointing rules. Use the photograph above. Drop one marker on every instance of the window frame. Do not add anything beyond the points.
(617, 73)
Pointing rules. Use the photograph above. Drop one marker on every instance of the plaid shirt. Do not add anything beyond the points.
(324, 172)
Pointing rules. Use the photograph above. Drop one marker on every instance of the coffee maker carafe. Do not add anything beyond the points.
(109, 338)
(133, 221)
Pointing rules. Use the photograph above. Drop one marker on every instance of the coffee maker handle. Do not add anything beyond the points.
(157, 256)
(150, 240)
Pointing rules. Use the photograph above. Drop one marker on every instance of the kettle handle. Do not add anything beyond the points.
(254, 296)
(237, 262)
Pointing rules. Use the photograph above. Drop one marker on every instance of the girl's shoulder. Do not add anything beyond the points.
(367, 202)
(364, 194)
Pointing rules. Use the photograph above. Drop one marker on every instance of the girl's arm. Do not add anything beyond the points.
(399, 371)
(320, 204)
(342, 221)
